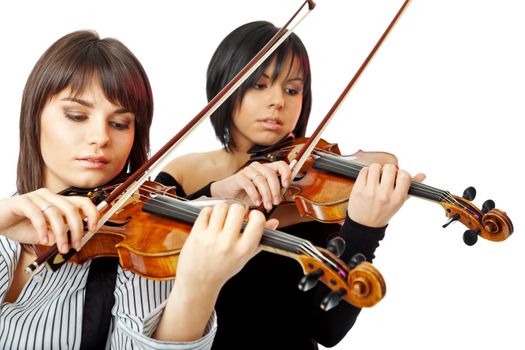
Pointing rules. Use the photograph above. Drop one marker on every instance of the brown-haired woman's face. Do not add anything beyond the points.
(85, 139)
(270, 108)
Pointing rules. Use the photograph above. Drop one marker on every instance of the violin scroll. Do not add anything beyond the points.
(367, 284)
(490, 223)
(360, 284)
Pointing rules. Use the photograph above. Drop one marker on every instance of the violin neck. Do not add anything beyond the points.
(349, 169)
(276, 241)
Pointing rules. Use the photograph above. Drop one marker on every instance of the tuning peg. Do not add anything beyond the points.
(487, 206)
(310, 280)
(470, 237)
(469, 193)
(332, 299)
(356, 260)
(336, 246)
(451, 220)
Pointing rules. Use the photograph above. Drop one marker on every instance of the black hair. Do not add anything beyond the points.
(233, 53)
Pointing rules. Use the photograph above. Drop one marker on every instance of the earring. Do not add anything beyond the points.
(226, 136)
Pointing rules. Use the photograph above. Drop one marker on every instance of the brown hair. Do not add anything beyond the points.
(72, 62)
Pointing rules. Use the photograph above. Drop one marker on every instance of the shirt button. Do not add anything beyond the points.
(37, 278)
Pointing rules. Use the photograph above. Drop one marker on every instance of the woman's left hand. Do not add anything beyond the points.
(257, 183)
(378, 193)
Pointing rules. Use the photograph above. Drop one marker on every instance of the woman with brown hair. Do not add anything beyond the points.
(86, 112)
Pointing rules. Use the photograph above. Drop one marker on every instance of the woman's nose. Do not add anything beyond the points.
(98, 133)
(276, 97)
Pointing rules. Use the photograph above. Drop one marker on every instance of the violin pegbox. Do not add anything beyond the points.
(490, 223)
(359, 283)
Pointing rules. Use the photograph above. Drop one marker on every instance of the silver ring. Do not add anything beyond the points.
(252, 179)
(47, 207)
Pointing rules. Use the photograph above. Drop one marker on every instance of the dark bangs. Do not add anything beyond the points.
(73, 62)
(124, 82)
(120, 77)
(234, 52)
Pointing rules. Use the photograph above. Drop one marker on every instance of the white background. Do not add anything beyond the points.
(444, 94)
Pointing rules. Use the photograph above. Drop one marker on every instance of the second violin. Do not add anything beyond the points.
(322, 188)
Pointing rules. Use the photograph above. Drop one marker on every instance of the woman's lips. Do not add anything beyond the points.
(271, 124)
(93, 162)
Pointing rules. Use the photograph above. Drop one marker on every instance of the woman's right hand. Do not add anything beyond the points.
(258, 183)
(42, 217)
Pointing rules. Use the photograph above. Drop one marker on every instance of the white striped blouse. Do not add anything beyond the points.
(48, 311)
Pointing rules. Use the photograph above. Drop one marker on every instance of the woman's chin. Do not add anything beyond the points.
(269, 140)
(91, 182)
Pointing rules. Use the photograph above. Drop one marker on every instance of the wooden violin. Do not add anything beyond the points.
(322, 179)
(149, 231)
(138, 213)
(322, 188)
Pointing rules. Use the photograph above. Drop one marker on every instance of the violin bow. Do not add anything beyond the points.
(135, 180)
(489, 222)
(300, 158)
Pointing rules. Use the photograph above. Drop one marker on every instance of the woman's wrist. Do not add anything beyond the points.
(190, 309)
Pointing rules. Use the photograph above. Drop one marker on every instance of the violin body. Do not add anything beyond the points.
(322, 188)
(146, 244)
(148, 232)
(319, 194)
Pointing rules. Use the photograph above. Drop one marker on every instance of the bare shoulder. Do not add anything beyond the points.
(193, 171)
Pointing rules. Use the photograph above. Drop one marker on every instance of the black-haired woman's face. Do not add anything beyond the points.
(270, 108)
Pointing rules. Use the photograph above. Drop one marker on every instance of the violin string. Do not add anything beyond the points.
(353, 169)
(306, 245)
(273, 236)
(277, 236)
(183, 206)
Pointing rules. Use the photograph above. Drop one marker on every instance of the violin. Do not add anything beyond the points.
(147, 235)
(322, 179)
(145, 224)
(322, 187)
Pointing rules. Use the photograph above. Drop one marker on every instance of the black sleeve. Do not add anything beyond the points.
(205, 191)
(329, 327)
(168, 180)
(360, 239)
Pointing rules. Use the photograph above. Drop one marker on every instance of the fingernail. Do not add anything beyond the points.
(276, 200)
(65, 248)
(257, 202)
(44, 240)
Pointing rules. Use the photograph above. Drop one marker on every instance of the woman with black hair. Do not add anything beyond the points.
(261, 307)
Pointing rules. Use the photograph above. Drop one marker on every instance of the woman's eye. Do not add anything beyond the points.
(119, 125)
(292, 91)
(76, 117)
(259, 86)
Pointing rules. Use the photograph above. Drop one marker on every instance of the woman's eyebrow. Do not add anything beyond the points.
(82, 102)
(299, 79)
(79, 101)
(121, 110)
